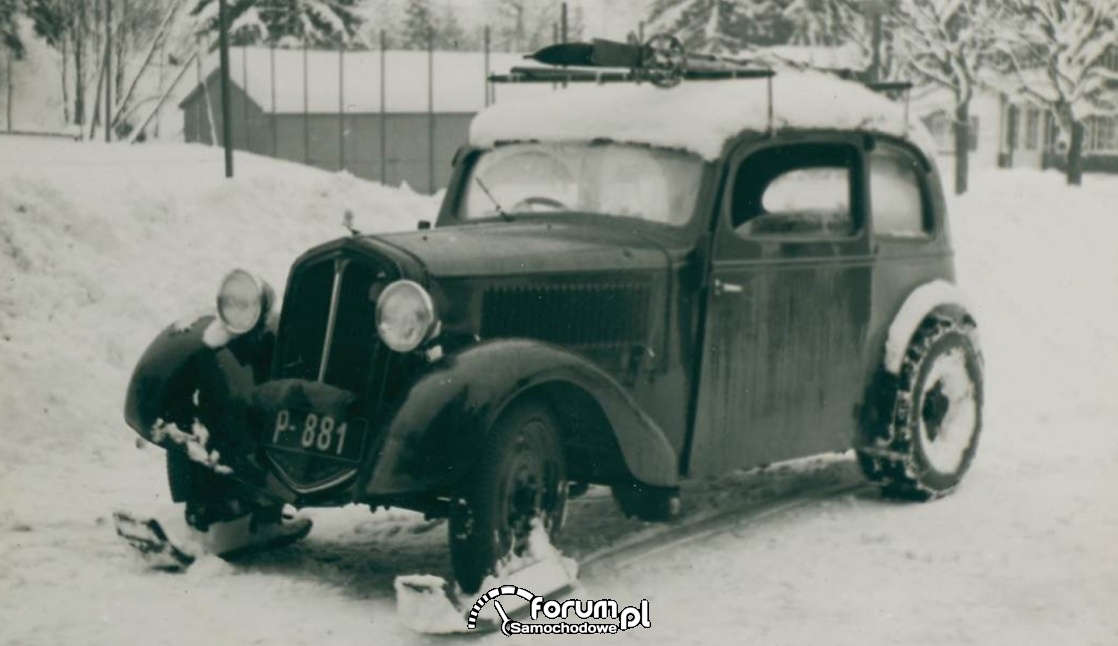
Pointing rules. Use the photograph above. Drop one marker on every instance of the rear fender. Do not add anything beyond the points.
(935, 296)
(436, 435)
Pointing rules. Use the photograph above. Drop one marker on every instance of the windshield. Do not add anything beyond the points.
(608, 179)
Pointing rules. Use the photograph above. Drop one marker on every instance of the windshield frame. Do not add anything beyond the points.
(463, 181)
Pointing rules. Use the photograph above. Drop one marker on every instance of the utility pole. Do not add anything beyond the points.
(108, 120)
(226, 122)
(875, 9)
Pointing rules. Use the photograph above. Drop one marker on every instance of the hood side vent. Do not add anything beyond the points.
(575, 315)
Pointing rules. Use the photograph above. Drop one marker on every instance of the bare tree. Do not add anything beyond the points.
(949, 43)
(1055, 50)
(76, 28)
(68, 26)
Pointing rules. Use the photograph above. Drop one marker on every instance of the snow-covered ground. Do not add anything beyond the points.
(101, 246)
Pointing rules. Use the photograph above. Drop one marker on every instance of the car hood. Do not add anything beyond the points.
(510, 248)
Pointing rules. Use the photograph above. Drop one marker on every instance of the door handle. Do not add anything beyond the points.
(721, 287)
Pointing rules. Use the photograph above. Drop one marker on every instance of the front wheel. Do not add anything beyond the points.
(932, 435)
(520, 481)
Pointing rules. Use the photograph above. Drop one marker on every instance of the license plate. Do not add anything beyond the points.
(319, 435)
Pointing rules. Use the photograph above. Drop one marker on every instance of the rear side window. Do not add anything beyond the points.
(802, 190)
(896, 195)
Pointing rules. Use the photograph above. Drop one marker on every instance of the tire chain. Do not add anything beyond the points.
(893, 466)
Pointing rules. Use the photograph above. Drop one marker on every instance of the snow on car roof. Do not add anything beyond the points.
(699, 116)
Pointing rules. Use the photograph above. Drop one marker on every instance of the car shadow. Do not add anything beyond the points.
(364, 557)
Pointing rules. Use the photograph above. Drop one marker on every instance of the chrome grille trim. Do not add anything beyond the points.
(332, 320)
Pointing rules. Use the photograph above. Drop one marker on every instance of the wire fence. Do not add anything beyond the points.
(388, 115)
(393, 116)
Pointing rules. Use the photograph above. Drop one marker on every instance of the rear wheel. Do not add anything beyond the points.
(520, 481)
(929, 441)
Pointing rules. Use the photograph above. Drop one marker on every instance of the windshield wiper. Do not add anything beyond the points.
(501, 212)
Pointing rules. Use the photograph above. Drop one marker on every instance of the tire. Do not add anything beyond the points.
(520, 476)
(926, 444)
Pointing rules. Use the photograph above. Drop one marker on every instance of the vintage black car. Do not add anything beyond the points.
(626, 286)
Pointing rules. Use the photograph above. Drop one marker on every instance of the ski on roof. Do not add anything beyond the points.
(617, 93)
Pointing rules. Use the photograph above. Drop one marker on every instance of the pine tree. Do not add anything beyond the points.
(315, 22)
(820, 22)
(9, 28)
(527, 25)
(449, 33)
(716, 26)
(419, 25)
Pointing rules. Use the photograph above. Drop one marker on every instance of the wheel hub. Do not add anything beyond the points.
(524, 501)
(936, 406)
(948, 411)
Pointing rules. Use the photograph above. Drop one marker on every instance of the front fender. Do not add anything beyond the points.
(436, 434)
(198, 371)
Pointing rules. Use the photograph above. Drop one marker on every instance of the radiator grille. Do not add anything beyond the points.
(356, 343)
(305, 312)
(578, 315)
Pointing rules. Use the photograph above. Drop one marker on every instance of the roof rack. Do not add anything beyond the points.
(575, 75)
(663, 62)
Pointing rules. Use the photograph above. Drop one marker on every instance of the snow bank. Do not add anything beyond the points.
(101, 246)
(696, 115)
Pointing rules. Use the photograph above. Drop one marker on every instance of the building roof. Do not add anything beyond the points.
(459, 79)
(699, 116)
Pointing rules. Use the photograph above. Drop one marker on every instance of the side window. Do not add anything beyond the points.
(796, 190)
(896, 198)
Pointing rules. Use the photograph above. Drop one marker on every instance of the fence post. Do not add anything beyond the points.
(431, 111)
(272, 73)
(306, 108)
(244, 86)
(563, 21)
(341, 107)
(383, 116)
(487, 84)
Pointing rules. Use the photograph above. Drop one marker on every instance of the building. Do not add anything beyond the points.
(333, 110)
(1010, 131)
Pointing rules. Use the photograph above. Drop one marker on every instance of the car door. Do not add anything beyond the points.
(788, 304)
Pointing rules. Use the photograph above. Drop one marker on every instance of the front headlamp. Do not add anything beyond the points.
(405, 316)
(242, 300)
